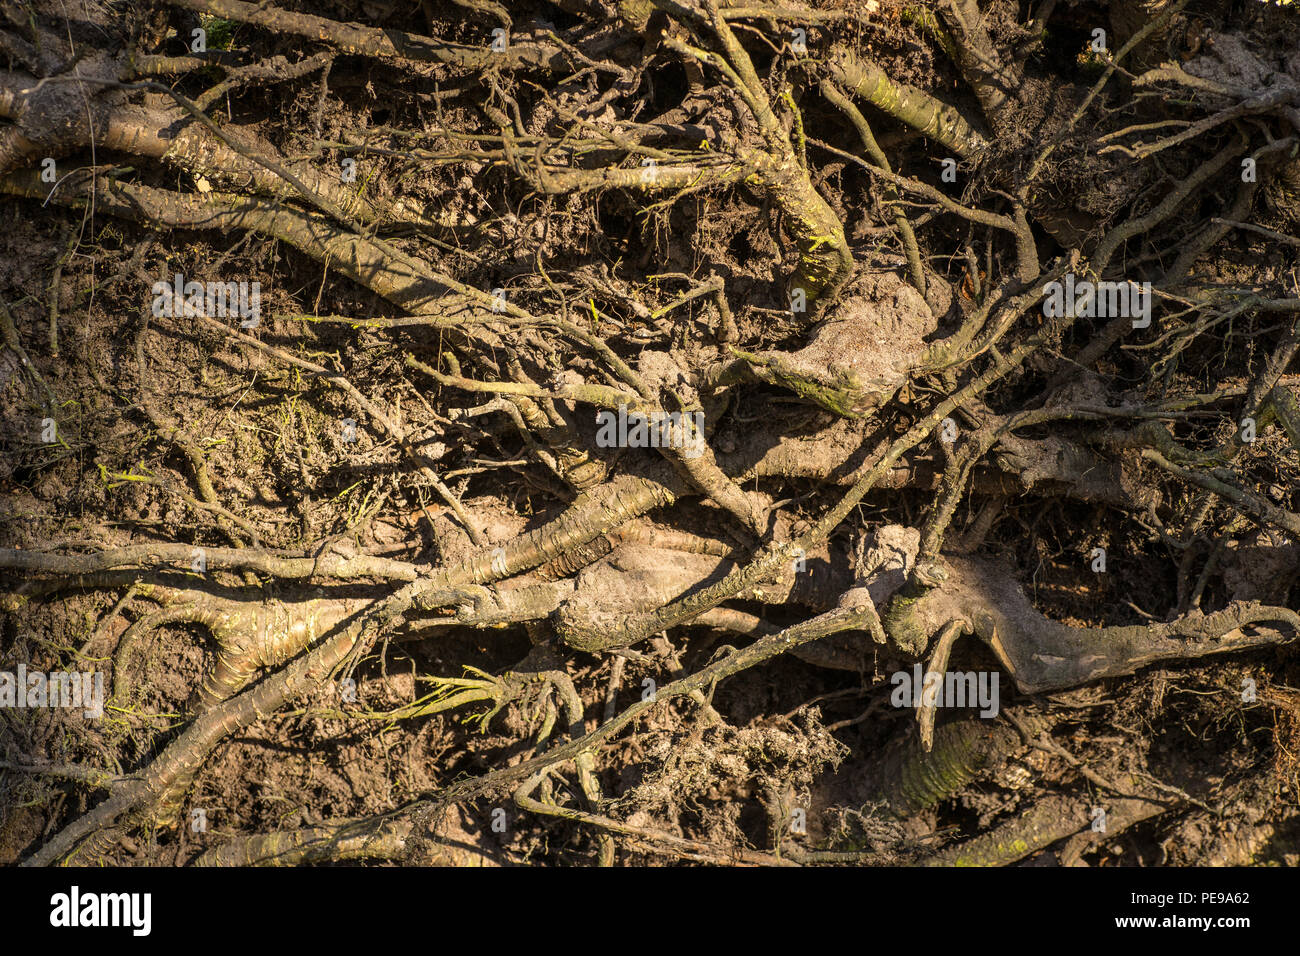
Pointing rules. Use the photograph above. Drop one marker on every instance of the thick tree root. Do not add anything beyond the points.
(1051, 819)
(1044, 655)
(909, 779)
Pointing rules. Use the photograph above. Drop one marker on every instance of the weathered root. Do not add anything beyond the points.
(842, 369)
(1042, 655)
(330, 565)
(344, 840)
(251, 637)
(232, 159)
(402, 279)
(1051, 819)
(908, 778)
(863, 78)
(407, 48)
(994, 83)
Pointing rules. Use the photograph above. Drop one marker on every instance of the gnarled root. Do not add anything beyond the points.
(1045, 655)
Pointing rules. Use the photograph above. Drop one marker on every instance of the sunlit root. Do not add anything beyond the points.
(253, 636)
(1044, 655)
(857, 359)
(1045, 822)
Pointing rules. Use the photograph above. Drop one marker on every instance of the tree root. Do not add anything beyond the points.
(1047, 821)
(909, 778)
(371, 839)
(863, 78)
(1044, 655)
